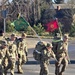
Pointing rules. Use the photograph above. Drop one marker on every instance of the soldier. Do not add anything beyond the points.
(46, 53)
(2, 37)
(62, 56)
(55, 41)
(12, 53)
(3, 53)
(22, 52)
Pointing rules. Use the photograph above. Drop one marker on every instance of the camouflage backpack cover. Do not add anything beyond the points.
(37, 51)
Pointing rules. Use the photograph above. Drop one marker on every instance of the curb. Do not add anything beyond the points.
(51, 62)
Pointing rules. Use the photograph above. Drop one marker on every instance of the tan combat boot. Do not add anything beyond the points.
(20, 71)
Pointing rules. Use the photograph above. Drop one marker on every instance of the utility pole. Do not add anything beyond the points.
(4, 15)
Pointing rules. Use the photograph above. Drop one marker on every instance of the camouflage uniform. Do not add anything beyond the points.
(62, 56)
(45, 56)
(3, 53)
(3, 38)
(22, 52)
(12, 52)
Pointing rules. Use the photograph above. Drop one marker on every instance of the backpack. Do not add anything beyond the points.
(56, 46)
(37, 51)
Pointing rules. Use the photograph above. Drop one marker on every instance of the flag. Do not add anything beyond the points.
(51, 26)
(20, 24)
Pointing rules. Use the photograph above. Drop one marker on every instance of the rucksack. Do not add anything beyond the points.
(37, 51)
(56, 46)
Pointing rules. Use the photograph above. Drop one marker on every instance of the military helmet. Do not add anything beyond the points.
(49, 45)
(13, 35)
(4, 42)
(66, 36)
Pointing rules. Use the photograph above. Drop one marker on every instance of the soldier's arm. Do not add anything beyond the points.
(52, 54)
(26, 51)
(45, 53)
(15, 48)
(25, 48)
(7, 53)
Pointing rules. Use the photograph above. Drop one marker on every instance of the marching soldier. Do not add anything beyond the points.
(65, 58)
(2, 38)
(3, 53)
(22, 52)
(12, 53)
(45, 56)
(62, 55)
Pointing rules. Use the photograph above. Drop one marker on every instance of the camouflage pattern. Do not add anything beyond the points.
(62, 57)
(3, 38)
(22, 53)
(3, 53)
(12, 53)
(45, 56)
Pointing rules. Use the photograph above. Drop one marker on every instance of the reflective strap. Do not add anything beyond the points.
(37, 51)
(56, 40)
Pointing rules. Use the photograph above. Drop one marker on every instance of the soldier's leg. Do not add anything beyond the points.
(6, 68)
(45, 69)
(24, 58)
(57, 65)
(1, 70)
(19, 65)
(41, 69)
(65, 64)
(57, 68)
(12, 68)
(5, 62)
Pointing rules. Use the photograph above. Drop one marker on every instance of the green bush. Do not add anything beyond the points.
(39, 29)
(29, 31)
(9, 27)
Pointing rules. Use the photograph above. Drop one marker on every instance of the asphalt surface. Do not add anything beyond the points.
(32, 67)
(35, 69)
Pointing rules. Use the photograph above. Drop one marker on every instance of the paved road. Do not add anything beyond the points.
(33, 69)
